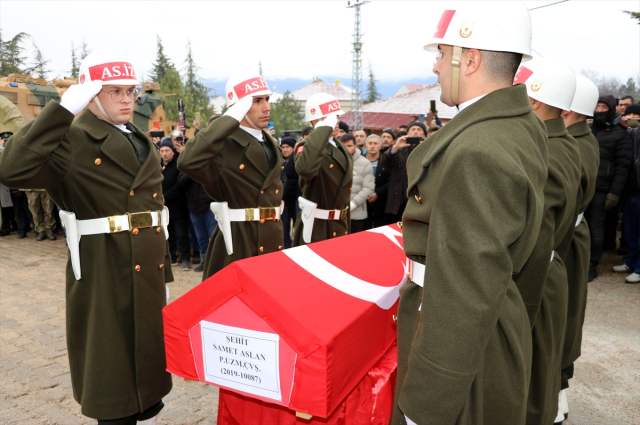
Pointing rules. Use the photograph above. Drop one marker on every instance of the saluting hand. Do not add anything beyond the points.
(239, 109)
(78, 96)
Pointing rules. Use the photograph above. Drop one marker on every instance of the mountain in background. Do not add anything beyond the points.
(385, 88)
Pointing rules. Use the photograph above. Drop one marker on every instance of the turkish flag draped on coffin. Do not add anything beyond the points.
(299, 328)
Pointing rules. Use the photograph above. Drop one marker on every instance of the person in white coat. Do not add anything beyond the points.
(363, 184)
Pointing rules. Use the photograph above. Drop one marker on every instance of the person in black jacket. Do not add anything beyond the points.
(291, 188)
(174, 197)
(377, 202)
(615, 160)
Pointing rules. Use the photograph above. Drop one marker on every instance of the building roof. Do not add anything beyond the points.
(413, 103)
(340, 91)
(381, 120)
(408, 88)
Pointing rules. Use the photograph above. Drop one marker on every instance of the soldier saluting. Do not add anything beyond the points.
(238, 165)
(325, 168)
(105, 174)
(475, 206)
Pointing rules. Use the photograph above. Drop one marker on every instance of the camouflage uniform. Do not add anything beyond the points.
(41, 207)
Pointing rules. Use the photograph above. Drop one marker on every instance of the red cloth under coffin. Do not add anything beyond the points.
(370, 403)
(331, 311)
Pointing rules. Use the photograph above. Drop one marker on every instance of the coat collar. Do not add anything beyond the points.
(503, 103)
(579, 129)
(150, 165)
(114, 145)
(555, 127)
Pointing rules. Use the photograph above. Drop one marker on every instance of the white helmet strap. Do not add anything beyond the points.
(455, 73)
(246, 117)
(102, 111)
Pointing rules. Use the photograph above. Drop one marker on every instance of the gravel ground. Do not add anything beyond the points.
(34, 372)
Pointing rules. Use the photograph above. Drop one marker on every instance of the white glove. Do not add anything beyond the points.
(329, 121)
(352, 206)
(239, 109)
(78, 96)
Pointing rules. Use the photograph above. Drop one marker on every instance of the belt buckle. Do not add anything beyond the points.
(343, 213)
(268, 214)
(114, 224)
(140, 220)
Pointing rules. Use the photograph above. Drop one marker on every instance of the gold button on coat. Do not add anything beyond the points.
(131, 193)
(418, 199)
(154, 196)
(334, 234)
(261, 249)
(159, 229)
(135, 231)
(161, 266)
(241, 166)
(277, 191)
(331, 166)
(279, 246)
(137, 268)
(98, 161)
(262, 192)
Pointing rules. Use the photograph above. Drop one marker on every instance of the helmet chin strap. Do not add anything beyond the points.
(246, 117)
(102, 111)
(455, 73)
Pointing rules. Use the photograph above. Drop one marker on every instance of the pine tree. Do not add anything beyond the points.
(39, 63)
(286, 114)
(75, 65)
(372, 90)
(162, 64)
(196, 95)
(11, 56)
(84, 50)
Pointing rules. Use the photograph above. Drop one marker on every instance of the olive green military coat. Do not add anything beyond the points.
(232, 167)
(543, 281)
(576, 249)
(326, 175)
(115, 335)
(474, 211)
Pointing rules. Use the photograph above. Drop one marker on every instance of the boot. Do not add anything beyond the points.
(50, 235)
(21, 234)
(39, 236)
(186, 265)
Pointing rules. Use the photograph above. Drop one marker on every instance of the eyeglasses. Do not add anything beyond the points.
(117, 95)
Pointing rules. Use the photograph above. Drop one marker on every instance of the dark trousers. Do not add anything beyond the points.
(179, 237)
(133, 419)
(289, 214)
(358, 226)
(595, 215)
(611, 218)
(21, 211)
(632, 231)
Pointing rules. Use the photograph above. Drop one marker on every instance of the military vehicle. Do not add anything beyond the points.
(31, 94)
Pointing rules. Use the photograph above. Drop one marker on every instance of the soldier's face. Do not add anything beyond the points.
(118, 112)
(259, 112)
(442, 68)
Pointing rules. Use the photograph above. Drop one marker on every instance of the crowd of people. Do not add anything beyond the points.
(501, 210)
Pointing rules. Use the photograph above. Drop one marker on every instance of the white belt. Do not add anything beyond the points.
(225, 215)
(310, 211)
(579, 220)
(75, 229)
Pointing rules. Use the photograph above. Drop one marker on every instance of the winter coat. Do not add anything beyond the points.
(232, 167)
(292, 187)
(633, 181)
(363, 185)
(542, 282)
(115, 336)
(326, 174)
(475, 203)
(382, 179)
(174, 191)
(615, 152)
(576, 249)
(396, 191)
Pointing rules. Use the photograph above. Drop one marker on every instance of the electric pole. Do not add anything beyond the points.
(356, 95)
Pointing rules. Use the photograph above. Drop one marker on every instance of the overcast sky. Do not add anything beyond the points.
(305, 39)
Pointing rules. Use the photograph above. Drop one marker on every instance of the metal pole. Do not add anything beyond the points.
(356, 95)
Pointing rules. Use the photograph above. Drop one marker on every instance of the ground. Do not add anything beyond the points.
(34, 371)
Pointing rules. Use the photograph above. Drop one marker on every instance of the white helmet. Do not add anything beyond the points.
(500, 27)
(244, 84)
(108, 66)
(548, 81)
(586, 98)
(321, 105)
